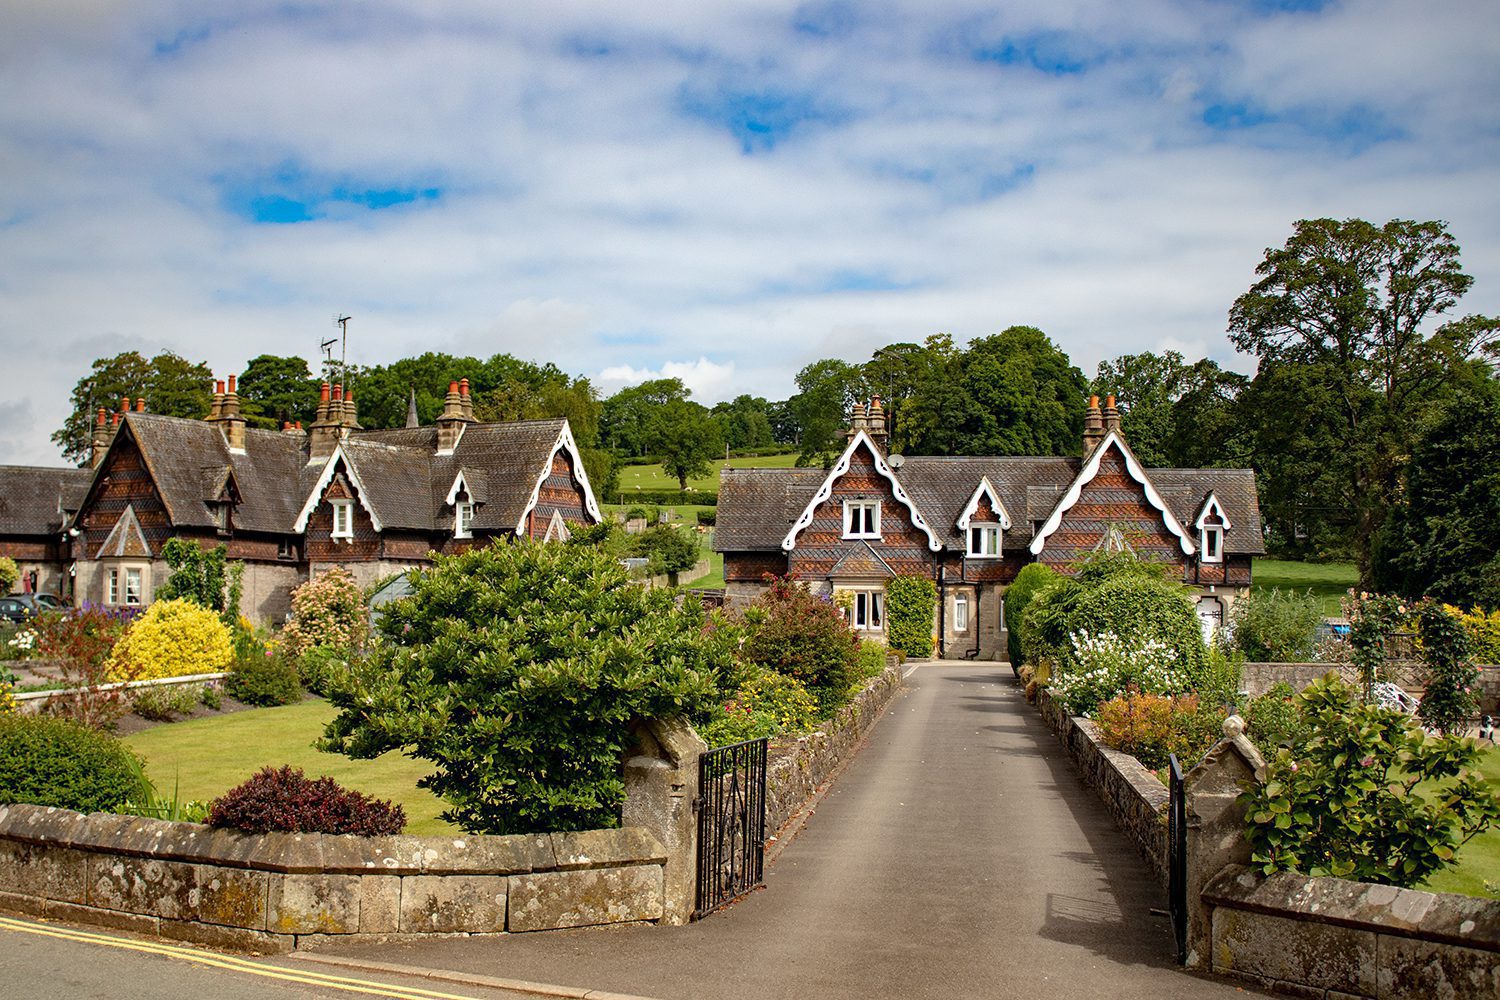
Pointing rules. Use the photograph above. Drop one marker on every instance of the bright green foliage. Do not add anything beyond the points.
(1272, 720)
(670, 550)
(687, 438)
(1175, 414)
(1152, 727)
(1275, 626)
(53, 762)
(1372, 619)
(1449, 702)
(169, 383)
(173, 638)
(277, 389)
(804, 636)
(316, 667)
(517, 669)
(768, 704)
(909, 604)
(264, 679)
(203, 577)
(870, 657)
(1368, 796)
(1484, 633)
(9, 574)
(327, 611)
(1140, 609)
(1032, 578)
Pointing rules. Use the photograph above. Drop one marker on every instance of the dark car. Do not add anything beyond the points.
(21, 607)
(51, 602)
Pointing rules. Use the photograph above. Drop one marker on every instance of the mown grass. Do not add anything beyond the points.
(1479, 859)
(651, 477)
(204, 758)
(1328, 581)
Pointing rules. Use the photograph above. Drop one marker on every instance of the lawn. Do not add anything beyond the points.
(651, 477)
(1480, 858)
(1328, 581)
(204, 758)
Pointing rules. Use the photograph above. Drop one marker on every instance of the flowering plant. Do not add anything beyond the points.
(1098, 667)
(173, 638)
(328, 611)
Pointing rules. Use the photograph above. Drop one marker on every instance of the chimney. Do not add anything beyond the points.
(325, 433)
(232, 423)
(450, 423)
(140, 406)
(336, 405)
(99, 443)
(857, 421)
(411, 409)
(468, 401)
(1093, 426)
(216, 408)
(351, 416)
(1111, 415)
(876, 424)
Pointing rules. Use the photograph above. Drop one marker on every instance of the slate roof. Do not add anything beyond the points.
(33, 501)
(758, 506)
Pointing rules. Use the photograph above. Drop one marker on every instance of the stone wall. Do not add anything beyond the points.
(1258, 678)
(1328, 937)
(1132, 794)
(274, 892)
(796, 767)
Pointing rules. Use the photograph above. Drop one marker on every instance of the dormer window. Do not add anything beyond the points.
(343, 519)
(1211, 543)
(862, 519)
(984, 541)
(463, 517)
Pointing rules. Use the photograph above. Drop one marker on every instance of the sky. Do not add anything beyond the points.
(722, 192)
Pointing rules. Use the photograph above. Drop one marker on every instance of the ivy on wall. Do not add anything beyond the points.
(909, 605)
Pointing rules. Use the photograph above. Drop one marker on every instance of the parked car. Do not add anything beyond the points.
(52, 602)
(20, 607)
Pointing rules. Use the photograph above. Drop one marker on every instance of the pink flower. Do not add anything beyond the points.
(1294, 767)
(1367, 762)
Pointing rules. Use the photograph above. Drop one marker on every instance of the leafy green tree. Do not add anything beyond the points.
(687, 438)
(169, 383)
(1145, 387)
(902, 372)
(827, 391)
(628, 425)
(204, 577)
(744, 422)
(1176, 414)
(275, 389)
(516, 670)
(1354, 304)
(669, 549)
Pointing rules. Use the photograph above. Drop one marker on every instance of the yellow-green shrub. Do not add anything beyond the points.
(1484, 633)
(172, 639)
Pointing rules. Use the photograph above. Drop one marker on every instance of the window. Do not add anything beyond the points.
(1212, 544)
(286, 548)
(869, 610)
(112, 588)
(463, 516)
(861, 518)
(221, 517)
(961, 612)
(984, 541)
(343, 519)
(133, 586)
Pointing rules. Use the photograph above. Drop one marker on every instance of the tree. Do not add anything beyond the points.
(169, 383)
(202, 577)
(744, 422)
(628, 423)
(516, 670)
(1443, 538)
(1353, 303)
(276, 389)
(687, 438)
(1145, 387)
(902, 372)
(827, 391)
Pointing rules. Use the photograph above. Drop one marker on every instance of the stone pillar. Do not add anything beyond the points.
(661, 785)
(1216, 827)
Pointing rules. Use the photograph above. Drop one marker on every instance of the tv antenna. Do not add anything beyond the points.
(342, 322)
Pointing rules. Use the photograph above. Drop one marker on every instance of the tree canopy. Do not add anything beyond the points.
(169, 383)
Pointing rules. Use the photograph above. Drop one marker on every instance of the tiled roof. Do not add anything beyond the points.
(757, 507)
(1185, 491)
(32, 500)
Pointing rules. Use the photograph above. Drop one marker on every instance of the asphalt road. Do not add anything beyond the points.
(957, 856)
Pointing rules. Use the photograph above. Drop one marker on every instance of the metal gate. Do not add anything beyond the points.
(1177, 857)
(731, 807)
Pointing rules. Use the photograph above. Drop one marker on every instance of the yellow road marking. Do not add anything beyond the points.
(231, 963)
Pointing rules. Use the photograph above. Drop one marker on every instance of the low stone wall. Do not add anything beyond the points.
(1258, 678)
(796, 767)
(1132, 794)
(1328, 937)
(274, 892)
(32, 702)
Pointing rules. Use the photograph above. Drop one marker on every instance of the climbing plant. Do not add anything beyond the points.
(909, 604)
(1449, 701)
(1372, 619)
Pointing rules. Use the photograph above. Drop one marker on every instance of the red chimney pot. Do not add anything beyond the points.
(219, 387)
(452, 386)
(231, 383)
(102, 420)
(325, 392)
(125, 405)
(338, 391)
(463, 387)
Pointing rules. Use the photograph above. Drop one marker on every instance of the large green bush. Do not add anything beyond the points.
(54, 762)
(909, 604)
(517, 669)
(1275, 626)
(669, 549)
(265, 679)
(1032, 578)
(1139, 610)
(804, 635)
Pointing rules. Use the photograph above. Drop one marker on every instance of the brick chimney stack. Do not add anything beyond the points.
(857, 421)
(231, 421)
(468, 401)
(325, 433)
(453, 419)
(351, 416)
(876, 424)
(1111, 415)
(99, 442)
(216, 408)
(1093, 426)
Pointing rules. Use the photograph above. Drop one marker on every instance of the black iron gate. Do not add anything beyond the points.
(731, 808)
(1177, 858)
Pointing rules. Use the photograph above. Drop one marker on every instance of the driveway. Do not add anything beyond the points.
(957, 856)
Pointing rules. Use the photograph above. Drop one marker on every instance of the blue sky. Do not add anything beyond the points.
(723, 192)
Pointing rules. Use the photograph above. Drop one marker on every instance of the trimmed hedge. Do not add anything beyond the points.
(287, 801)
(669, 498)
(52, 762)
(909, 603)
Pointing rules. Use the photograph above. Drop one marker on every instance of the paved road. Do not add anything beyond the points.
(957, 856)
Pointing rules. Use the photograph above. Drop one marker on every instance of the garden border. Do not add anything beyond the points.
(34, 701)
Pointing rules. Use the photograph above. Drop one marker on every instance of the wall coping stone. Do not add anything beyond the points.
(1466, 921)
(332, 854)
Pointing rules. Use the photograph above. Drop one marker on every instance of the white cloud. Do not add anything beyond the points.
(709, 382)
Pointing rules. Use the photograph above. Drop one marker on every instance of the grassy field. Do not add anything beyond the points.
(204, 758)
(1480, 858)
(651, 477)
(1327, 581)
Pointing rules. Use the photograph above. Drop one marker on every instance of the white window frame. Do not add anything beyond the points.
(868, 612)
(1211, 544)
(463, 519)
(112, 587)
(960, 612)
(978, 535)
(862, 519)
(343, 511)
(135, 596)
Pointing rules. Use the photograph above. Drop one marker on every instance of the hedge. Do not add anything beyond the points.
(669, 498)
(909, 603)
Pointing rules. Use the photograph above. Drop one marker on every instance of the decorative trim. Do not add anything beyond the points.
(324, 478)
(565, 442)
(557, 529)
(1086, 475)
(459, 485)
(839, 469)
(1212, 505)
(117, 539)
(985, 489)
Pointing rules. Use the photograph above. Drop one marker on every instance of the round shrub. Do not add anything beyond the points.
(172, 639)
(264, 680)
(1032, 578)
(285, 800)
(804, 635)
(1139, 610)
(1275, 626)
(328, 611)
(52, 762)
(909, 603)
(317, 666)
(1152, 727)
(1272, 720)
(767, 704)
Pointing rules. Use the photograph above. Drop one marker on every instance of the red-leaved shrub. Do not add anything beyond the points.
(288, 801)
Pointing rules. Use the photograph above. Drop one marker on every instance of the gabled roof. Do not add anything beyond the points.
(984, 491)
(1085, 476)
(126, 538)
(1211, 508)
(35, 501)
(860, 560)
(824, 491)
